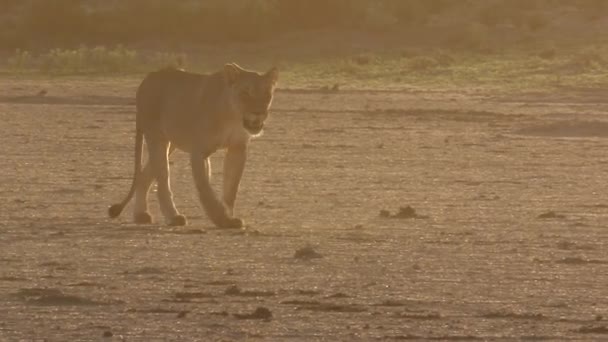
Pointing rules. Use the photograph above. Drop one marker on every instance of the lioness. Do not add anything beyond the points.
(198, 114)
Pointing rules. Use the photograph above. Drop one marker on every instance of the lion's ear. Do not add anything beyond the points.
(273, 75)
(232, 72)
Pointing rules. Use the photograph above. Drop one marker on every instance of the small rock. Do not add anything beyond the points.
(338, 295)
(261, 313)
(573, 261)
(107, 333)
(232, 290)
(593, 329)
(566, 245)
(551, 215)
(406, 212)
(385, 213)
(307, 253)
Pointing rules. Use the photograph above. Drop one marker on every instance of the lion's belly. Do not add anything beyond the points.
(205, 139)
(180, 137)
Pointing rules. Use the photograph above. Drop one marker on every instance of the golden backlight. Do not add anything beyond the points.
(303, 170)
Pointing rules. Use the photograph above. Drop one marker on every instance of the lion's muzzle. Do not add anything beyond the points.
(253, 126)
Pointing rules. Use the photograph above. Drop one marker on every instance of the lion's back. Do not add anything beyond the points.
(161, 86)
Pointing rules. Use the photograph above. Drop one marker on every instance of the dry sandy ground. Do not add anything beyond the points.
(511, 241)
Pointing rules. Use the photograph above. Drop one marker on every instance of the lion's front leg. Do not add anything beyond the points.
(234, 165)
(215, 208)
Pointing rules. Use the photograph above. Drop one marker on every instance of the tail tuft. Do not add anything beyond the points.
(115, 210)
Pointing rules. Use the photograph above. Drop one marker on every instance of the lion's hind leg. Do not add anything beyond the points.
(141, 214)
(159, 164)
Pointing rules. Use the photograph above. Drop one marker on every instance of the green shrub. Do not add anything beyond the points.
(443, 58)
(20, 60)
(587, 59)
(422, 63)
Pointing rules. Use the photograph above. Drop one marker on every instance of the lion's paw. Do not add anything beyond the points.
(233, 223)
(143, 218)
(178, 220)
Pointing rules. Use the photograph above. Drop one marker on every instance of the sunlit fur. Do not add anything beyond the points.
(198, 114)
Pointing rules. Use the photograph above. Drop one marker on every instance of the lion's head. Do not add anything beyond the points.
(252, 94)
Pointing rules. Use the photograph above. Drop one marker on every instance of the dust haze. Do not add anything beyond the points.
(429, 170)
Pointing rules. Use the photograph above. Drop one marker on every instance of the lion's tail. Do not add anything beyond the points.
(116, 209)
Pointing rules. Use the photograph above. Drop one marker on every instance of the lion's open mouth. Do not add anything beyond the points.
(253, 127)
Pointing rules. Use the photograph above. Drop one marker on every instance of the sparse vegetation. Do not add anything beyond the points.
(392, 69)
(422, 63)
(362, 43)
(84, 59)
(359, 44)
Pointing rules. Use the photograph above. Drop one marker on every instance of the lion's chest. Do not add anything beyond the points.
(233, 135)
